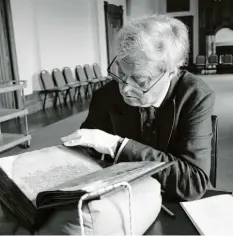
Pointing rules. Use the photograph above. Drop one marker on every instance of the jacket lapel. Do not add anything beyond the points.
(167, 115)
(125, 120)
(166, 122)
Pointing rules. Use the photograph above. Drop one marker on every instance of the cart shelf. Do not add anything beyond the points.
(8, 114)
(8, 140)
(10, 86)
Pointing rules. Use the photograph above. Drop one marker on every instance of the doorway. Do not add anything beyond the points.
(113, 23)
(8, 64)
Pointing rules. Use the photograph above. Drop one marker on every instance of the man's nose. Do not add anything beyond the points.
(125, 88)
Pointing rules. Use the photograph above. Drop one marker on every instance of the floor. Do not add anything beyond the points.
(223, 87)
(46, 117)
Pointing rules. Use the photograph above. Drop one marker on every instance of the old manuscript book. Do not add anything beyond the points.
(34, 183)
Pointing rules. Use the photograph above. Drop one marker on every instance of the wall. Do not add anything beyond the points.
(140, 8)
(224, 37)
(65, 33)
(26, 41)
(194, 12)
(49, 35)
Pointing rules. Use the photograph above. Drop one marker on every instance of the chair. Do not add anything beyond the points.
(213, 63)
(49, 87)
(227, 64)
(60, 82)
(200, 62)
(213, 59)
(95, 82)
(81, 77)
(71, 81)
(228, 59)
(214, 151)
(98, 74)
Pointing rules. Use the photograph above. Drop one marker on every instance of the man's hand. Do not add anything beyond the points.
(94, 138)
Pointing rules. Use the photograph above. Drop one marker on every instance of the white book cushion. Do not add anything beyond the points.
(110, 215)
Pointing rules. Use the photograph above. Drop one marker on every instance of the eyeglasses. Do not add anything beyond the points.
(121, 81)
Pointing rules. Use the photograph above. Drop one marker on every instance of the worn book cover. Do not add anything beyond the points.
(34, 183)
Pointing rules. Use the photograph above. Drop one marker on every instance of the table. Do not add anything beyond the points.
(180, 223)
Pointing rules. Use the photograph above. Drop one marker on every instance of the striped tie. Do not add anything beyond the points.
(147, 127)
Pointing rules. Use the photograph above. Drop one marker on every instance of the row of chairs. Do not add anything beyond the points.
(214, 62)
(62, 82)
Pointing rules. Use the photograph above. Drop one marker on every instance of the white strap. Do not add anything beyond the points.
(125, 141)
(102, 191)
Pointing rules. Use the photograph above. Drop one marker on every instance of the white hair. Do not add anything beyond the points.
(162, 38)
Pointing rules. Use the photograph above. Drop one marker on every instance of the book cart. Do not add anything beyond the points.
(9, 140)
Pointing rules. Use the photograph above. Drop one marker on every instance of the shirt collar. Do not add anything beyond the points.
(158, 103)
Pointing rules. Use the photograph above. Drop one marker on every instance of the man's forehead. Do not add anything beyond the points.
(136, 64)
(133, 62)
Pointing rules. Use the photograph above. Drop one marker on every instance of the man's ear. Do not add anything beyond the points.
(173, 73)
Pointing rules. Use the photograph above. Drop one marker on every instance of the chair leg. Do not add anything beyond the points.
(95, 87)
(59, 100)
(55, 99)
(65, 96)
(79, 97)
(86, 91)
(45, 96)
(92, 87)
(75, 91)
(71, 100)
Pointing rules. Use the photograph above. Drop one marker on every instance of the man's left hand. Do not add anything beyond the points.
(101, 141)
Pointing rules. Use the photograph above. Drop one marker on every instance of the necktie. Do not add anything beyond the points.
(147, 125)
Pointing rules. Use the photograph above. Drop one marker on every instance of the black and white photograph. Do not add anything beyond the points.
(116, 117)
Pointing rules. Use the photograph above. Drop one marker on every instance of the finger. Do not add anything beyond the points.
(73, 142)
(111, 153)
(78, 142)
(74, 135)
(71, 136)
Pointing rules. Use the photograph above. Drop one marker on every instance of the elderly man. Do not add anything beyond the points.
(153, 110)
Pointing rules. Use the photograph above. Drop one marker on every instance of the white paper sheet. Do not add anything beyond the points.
(211, 216)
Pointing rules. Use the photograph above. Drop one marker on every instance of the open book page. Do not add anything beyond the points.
(41, 170)
(99, 183)
(211, 216)
(125, 171)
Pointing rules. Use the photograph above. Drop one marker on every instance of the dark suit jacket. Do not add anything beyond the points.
(184, 132)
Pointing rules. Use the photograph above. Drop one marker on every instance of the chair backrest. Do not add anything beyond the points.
(58, 77)
(97, 70)
(89, 72)
(69, 78)
(213, 59)
(214, 151)
(228, 59)
(221, 59)
(80, 74)
(200, 60)
(46, 80)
